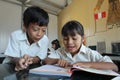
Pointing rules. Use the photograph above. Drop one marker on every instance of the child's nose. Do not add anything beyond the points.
(70, 41)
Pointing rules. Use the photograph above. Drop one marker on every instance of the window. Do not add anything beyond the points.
(116, 47)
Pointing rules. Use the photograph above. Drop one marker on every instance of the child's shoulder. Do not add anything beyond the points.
(87, 50)
(17, 32)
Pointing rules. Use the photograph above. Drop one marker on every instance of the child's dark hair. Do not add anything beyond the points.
(35, 15)
(57, 44)
(71, 28)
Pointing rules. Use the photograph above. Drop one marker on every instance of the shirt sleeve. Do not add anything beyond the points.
(13, 47)
(106, 59)
(97, 57)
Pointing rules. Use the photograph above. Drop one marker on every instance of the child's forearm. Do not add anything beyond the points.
(36, 60)
(98, 65)
(50, 61)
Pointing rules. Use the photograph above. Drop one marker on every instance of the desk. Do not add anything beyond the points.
(7, 73)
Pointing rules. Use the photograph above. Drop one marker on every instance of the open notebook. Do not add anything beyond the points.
(96, 71)
(59, 71)
(51, 70)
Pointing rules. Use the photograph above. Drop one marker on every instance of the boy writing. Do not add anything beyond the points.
(29, 46)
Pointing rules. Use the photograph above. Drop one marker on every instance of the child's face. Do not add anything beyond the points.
(73, 43)
(35, 32)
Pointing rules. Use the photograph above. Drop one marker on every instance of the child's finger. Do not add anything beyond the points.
(26, 57)
(30, 60)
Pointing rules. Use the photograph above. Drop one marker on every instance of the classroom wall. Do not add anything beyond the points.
(10, 20)
(95, 31)
(52, 29)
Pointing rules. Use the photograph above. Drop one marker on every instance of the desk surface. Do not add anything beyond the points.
(7, 73)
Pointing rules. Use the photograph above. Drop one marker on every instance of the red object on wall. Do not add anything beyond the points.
(103, 14)
(96, 16)
(99, 15)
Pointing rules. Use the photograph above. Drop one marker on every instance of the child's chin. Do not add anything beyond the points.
(71, 51)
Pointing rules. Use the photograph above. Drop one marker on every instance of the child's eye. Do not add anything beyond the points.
(65, 38)
(44, 30)
(74, 38)
(35, 29)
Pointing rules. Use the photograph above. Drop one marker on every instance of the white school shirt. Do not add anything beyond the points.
(85, 54)
(18, 46)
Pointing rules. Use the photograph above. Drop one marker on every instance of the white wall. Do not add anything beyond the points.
(10, 20)
(108, 36)
(52, 29)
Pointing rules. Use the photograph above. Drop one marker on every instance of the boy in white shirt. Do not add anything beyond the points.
(29, 46)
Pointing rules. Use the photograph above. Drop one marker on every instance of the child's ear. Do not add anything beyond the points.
(84, 40)
(24, 29)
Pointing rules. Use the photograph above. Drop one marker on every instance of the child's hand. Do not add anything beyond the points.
(20, 64)
(63, 63)
(23, 63)
(28, 60)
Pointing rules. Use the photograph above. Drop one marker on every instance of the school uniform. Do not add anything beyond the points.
(18, 46)
(85, 54)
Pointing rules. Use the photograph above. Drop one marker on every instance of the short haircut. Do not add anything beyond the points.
(35, 15)
(71, 28)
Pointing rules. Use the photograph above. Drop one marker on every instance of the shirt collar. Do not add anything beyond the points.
(23, 36)
(41, 41)
(82, 49)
